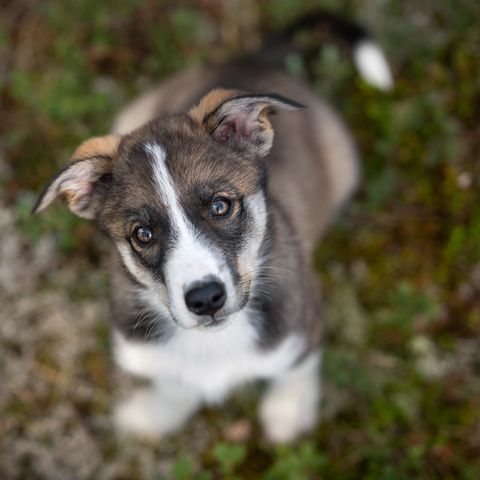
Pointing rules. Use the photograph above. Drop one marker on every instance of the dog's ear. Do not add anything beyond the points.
(80, 181)
(241, 120)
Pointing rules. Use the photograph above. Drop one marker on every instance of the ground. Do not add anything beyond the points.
(401, 266)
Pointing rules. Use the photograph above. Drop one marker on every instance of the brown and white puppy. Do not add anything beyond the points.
(213, 226)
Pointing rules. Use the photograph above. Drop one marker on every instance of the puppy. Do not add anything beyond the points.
(212, 226)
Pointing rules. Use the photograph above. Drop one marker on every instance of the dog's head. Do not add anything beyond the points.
(182, 199)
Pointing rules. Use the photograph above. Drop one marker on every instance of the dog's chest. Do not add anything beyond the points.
(211, 363)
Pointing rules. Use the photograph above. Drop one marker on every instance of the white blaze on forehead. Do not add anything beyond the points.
(167, 188)
(191, 259)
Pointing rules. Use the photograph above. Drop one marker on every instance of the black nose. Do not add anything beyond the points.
(206, 299)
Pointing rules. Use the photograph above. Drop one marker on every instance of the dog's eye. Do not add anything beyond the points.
(220, 207)
(143, 235)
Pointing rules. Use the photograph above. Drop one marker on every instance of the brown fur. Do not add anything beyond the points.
(210, 102)
(105, 146)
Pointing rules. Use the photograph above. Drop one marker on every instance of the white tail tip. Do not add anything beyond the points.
(372, 65)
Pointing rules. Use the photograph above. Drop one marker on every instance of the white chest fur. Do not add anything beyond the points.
(212, 363)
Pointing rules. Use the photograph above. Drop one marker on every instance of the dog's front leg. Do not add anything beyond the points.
(157, 410)
(291, 405)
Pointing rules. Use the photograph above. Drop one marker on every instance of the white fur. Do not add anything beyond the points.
(191, 260)
(210, 363)
(167, 188)
(248, 258)
(141, 274)
(156, 411)
(291, 405)
(373, 65)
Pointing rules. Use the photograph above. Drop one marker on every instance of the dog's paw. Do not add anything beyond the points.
(291, 405)
(284, 416)
(150, 413)
(138, 416)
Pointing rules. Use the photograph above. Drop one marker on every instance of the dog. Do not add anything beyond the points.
(213, 225)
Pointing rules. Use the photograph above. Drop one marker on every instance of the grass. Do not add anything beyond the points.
(400, 268)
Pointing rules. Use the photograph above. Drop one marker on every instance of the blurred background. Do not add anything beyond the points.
(401, 266)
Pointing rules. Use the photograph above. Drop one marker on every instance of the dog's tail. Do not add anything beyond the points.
(367, 55)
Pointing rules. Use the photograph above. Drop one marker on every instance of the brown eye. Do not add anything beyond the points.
(143, 235)
(220, 207)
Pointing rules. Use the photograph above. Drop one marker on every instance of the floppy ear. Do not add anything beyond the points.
(80, 180)
(241, 120)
